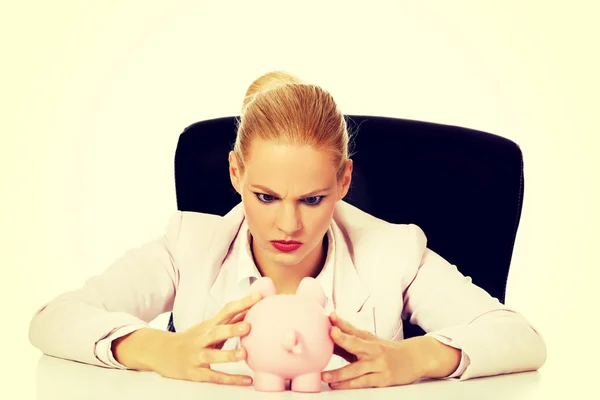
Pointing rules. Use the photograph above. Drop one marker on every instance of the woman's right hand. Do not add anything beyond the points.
(189, 354)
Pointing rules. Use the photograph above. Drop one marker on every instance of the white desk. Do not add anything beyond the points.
(569, 373)
(66, 380)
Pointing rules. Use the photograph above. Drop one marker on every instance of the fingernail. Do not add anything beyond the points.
(243, 327)
(256, 296)
(247, 381)
(239, 353)
(326, 377)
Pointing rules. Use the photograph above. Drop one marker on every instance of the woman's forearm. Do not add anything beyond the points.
(141, 349)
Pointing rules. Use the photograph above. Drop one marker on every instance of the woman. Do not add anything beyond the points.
(291, 167)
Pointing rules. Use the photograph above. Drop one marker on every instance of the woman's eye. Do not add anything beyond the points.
(265, 198)
(313, 200)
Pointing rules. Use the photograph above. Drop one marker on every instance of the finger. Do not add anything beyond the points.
(348, 372)
(214, 356)
(238, 318)
(364, 381)
(218, 377)
(233, 308)
(348, 328)
(351, 344)
(222, 333)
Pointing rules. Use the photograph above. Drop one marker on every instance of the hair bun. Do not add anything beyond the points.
(269, 81)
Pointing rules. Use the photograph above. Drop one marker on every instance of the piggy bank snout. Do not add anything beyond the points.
(291, 342)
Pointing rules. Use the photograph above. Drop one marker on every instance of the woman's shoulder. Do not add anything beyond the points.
(353, 220)
(193, 228)
(197, 225)
(194, 219)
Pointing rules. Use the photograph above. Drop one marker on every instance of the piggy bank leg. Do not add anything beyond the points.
(307, 383)
(266, 382)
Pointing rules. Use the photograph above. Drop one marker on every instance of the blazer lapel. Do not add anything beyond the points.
(381, 264)
(220, 245)
(205, 270)
(350, 296)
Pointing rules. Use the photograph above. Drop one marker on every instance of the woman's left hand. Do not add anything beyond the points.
(376, 362)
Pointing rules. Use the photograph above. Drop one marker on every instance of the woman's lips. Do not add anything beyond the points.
(286, 246)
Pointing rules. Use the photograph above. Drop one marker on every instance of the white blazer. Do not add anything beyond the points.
(383, 274)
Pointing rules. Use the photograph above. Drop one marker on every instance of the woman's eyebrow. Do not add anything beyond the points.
(273, 193)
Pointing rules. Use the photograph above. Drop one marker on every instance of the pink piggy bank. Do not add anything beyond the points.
(289, 337)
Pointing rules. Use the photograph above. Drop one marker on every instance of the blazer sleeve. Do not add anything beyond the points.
(139, 286)
(494, 339)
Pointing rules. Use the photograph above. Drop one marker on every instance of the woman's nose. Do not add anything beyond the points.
(289, 220)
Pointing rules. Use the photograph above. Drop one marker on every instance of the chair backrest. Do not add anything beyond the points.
(463, 187)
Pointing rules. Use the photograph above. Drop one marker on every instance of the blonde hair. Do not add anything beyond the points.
(280, 106)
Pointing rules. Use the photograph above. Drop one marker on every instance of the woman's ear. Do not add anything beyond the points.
(263, 285)
(311, 288)
(234, 172)
(344, 184)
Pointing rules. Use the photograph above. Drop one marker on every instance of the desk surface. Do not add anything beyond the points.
(570, 372)
(65, 380)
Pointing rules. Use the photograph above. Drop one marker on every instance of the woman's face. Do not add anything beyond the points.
(288, 194)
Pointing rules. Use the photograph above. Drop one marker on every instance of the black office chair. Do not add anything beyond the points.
(463, 187)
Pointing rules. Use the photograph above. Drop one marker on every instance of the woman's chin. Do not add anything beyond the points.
(286, 258)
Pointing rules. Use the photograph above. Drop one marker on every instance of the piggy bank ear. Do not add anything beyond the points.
(263, 285)
(310, 287)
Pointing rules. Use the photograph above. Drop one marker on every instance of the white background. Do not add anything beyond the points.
(95, 93)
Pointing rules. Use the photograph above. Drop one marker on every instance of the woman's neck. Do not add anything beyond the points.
(287, 279)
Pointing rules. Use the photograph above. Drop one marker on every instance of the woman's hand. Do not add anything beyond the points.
(376, 362)
(189, 354)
